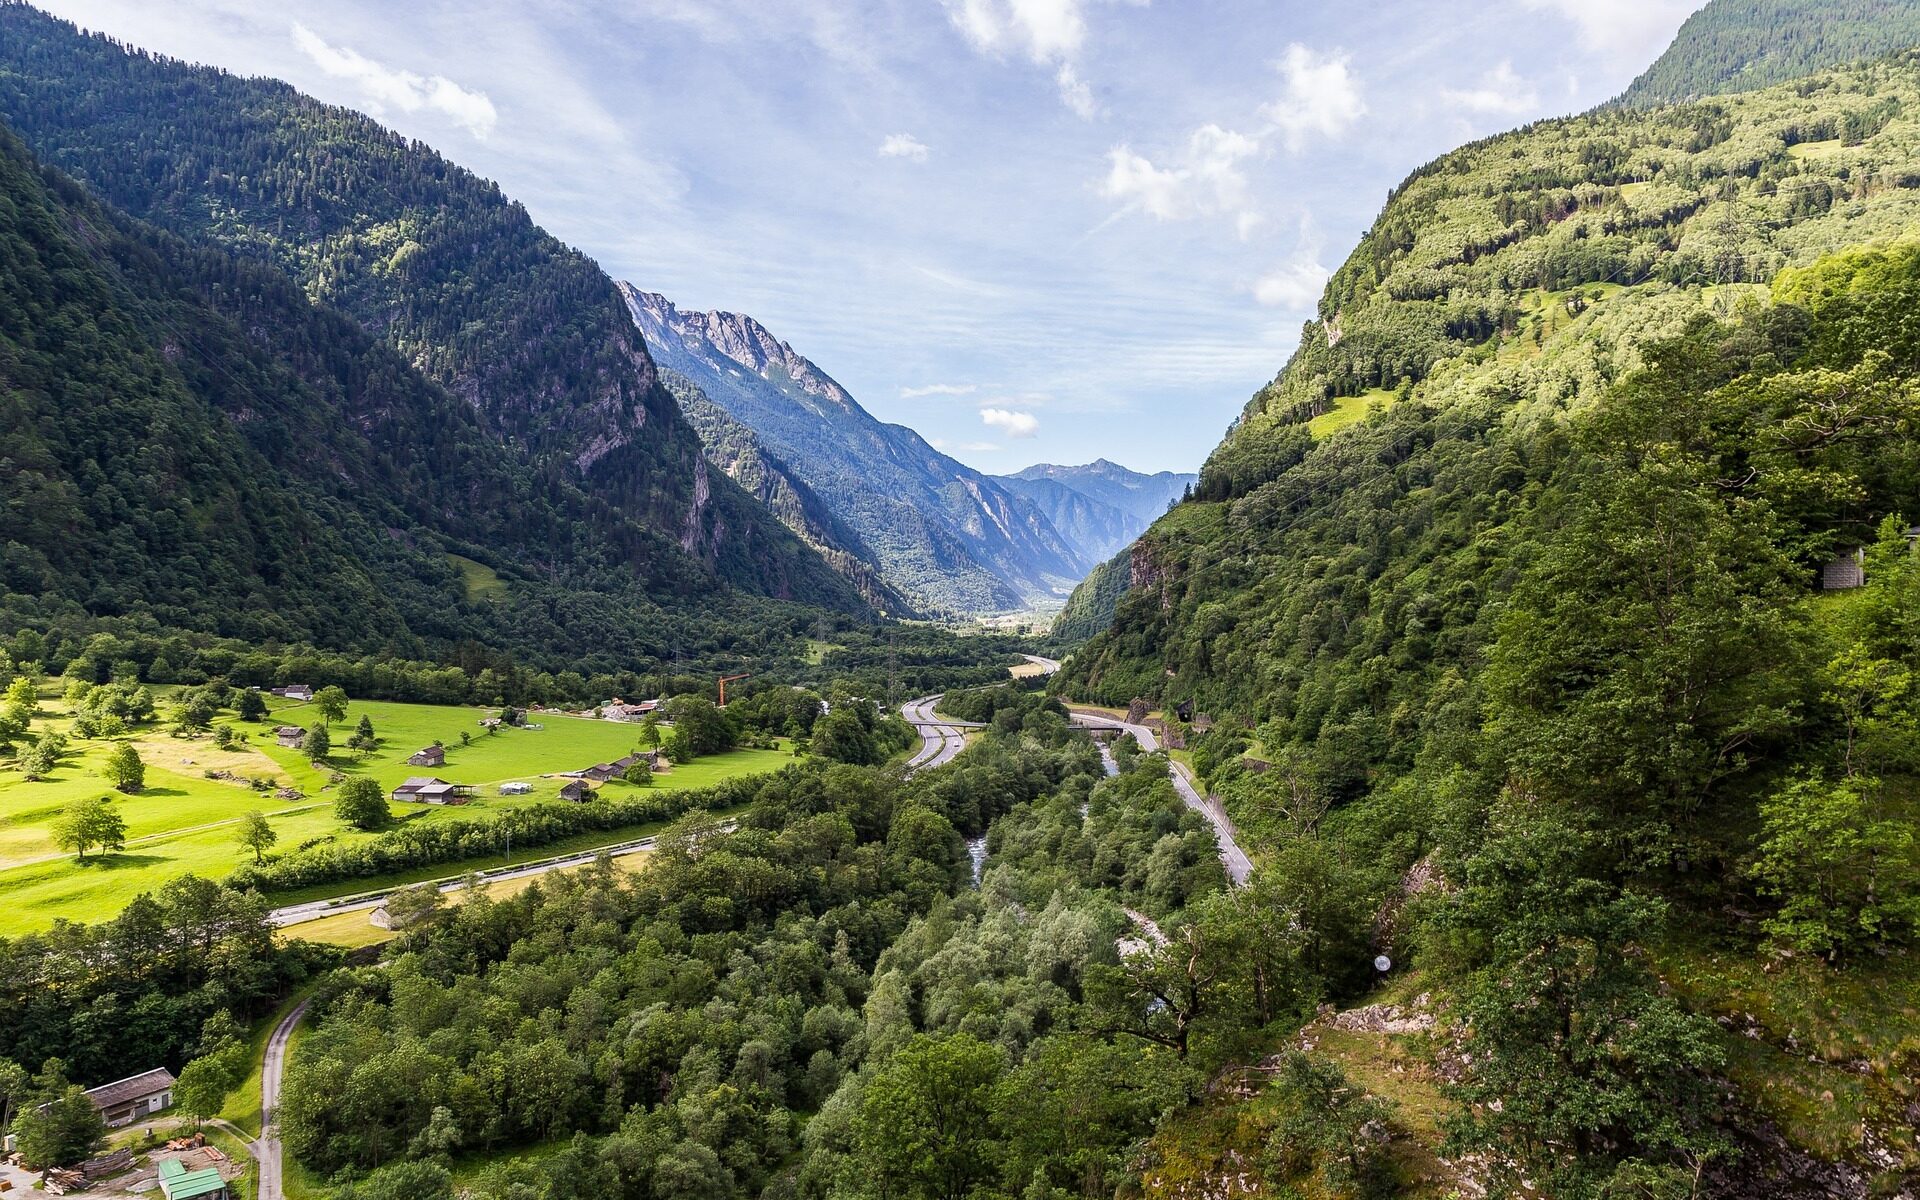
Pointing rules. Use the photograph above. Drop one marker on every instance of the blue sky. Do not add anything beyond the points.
(1035, 230)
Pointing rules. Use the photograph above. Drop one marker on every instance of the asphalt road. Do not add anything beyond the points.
(266, 1150)
(941, 739)
(1232, 857)
(293, 914)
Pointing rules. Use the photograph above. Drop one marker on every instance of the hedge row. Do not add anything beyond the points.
(417, 844)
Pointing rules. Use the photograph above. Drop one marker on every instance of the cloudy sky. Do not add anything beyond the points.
(1032, 229)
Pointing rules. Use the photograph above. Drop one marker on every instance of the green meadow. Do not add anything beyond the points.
(185, 823)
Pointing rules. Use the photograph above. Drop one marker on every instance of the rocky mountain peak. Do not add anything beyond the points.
(737, 338)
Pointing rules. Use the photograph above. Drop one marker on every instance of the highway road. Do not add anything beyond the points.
(1232, 857)
(941, 738)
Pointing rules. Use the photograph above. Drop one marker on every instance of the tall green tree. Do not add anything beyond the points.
(331, 702)
(319, 742)
(89, 822)
(256, 833)
(362, 805)
(926, 1129)
(125, 769)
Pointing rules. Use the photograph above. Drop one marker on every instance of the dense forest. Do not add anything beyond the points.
(446, 273)
(1745, 45)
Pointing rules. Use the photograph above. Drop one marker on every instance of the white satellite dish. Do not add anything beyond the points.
(1383, 963)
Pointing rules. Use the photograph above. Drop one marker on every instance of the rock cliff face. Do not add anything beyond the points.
(737, 451)
(943, 535)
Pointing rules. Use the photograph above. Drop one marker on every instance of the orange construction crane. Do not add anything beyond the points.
(724, 681)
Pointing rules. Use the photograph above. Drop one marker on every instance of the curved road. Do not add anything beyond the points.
(1232, 857)
(941, 738)
(266, 1150)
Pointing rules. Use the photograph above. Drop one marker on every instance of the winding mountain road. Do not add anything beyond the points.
(1232, 857)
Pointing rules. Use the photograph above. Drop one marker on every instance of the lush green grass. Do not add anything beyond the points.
(185, 823)
(1349, 410)
(1816, 150)
(482, 581)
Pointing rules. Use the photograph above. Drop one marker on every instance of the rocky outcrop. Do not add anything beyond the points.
(941, 534)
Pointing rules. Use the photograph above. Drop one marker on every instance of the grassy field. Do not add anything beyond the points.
(1349, 410)
(184, 822)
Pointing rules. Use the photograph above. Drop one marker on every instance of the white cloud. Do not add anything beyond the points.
(1320, 97)
(1500, 92)
(386, 86)
(1207, 181)
(1295, 286)
(1633, 30)
(1047, 33)
(1016, 424)
(903, 145)
(938, 389)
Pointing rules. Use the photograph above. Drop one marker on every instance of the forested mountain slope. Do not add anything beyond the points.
(737, 451)
(943, 534)
(1505, 287)
(1744, 45)
(188, 438)
(1505, 600)
(431, 259)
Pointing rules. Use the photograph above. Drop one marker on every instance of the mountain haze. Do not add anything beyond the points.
(946, 536)
(1101, 506)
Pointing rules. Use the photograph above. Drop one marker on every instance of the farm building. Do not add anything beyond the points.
(302, 692)
(180, 1182)
(290, 736)
(428, 756)
(125, 1101)
(620, 710)
(576, 790)
(515, 789)
(601, 772)
(427, 790)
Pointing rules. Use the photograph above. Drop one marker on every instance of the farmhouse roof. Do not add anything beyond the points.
(133, 1087)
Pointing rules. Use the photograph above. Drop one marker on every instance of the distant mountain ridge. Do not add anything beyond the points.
(947, 537)
(1744, 45)
(1099, 507)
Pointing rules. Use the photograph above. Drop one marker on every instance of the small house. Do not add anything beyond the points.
(125, 1101)
(428, 756)
(181, 1182)
(600, 772)
(620, 710)
(515, 789)
(576, 790)
(291, 736)
(423, 789)
(302, 692)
